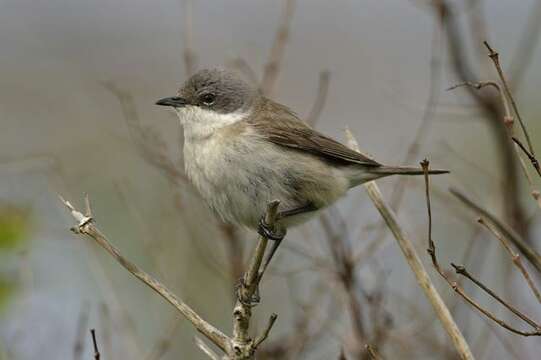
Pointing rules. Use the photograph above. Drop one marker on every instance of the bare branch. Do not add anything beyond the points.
(416, 265)
(95, 343)
(529, 252)
(462, 271)
(86, 227)
(531, 157)
(243, 346)
(490, 107)
(265, 333)
(515, 257)
(496, 59)
(508, 121)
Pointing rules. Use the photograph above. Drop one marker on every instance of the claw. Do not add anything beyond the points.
(253, 301)
(271, 234)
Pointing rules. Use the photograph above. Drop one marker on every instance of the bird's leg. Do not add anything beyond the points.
(277, 237)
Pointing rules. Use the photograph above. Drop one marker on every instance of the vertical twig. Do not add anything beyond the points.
(416, 265)
(95, 343)
(515, 257)
(243, 346)
(496, 59)
(461, 270)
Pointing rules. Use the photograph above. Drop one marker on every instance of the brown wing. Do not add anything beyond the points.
(279, 125)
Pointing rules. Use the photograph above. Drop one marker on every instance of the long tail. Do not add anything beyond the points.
(403, 170)
(362, 174)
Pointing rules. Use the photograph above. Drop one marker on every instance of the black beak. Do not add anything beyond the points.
(174, 101)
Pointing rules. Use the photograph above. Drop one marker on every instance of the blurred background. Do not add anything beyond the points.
(77, 115)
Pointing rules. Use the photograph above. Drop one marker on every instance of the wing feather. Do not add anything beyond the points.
(280, 126)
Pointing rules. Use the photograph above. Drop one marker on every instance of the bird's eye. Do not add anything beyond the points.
(208, 98)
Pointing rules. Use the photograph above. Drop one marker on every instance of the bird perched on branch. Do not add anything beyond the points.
(243, 150)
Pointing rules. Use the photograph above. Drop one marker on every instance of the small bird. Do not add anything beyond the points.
(243, 150)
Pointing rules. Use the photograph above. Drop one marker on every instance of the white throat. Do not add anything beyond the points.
(200, 124)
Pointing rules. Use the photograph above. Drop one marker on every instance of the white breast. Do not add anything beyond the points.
(208, 159)
(201, 123)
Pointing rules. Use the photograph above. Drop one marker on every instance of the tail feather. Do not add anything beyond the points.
(403, 170)
(360, 174)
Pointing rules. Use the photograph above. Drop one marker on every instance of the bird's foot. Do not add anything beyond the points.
(253, 300)
(270, 233)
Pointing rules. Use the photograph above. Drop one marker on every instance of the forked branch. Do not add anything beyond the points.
(240, 346)
(416, 265)
(461, 270)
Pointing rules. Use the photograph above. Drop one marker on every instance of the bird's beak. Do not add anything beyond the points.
(174, 101)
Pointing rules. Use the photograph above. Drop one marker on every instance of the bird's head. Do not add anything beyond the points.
(216, 95)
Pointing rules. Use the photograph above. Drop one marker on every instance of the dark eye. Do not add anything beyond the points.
(208, 99)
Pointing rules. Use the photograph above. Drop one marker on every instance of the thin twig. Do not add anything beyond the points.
(515, 257)
(86, 226)
(531, 157)
(462, 271)
(508, 120)
(266, 332)
(243, 346)
(95, 343)
(529, 252)
(416, 265)
(459, 60)
(496, 59)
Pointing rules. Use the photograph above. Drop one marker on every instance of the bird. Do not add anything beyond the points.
(243, 150)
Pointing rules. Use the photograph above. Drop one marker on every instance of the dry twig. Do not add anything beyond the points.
(243, 346)
(416, 265)
(490, 107)
(95, 344)
(495, 57)
(461, 270)
(529, 252)
(515, 257)
(240, 346)
(86, 226)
